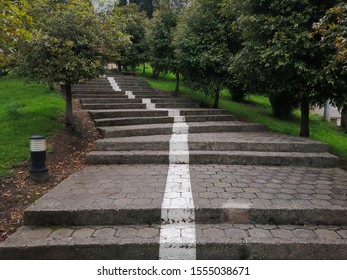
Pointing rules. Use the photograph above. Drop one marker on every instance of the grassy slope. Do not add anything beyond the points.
(25, 110)
(258, 109)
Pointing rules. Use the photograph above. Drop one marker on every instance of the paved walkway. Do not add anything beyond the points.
(272, 196)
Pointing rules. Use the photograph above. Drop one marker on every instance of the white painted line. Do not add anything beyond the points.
(114, 84)
(148, 102)
(173, 113)
(177, 233)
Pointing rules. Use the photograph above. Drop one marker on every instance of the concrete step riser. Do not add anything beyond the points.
(167, 130)
(92, 93)
(158, 101)
(153, 113)
(115, 95)
(90, 88)
(322, 162)
(123, 122)
(204, 251)
(177, 105)
(84, 217)
(132, 105)
(271, 216)
(202, 216)
(212, 146)
(206, 158)
(138, 94)
(102, 251)
(109, 100)
(270, 251)
(126, 114)
(114, 106)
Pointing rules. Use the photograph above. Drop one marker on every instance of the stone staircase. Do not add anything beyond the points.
(171, 180)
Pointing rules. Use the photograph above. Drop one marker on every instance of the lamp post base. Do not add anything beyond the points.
(39, 176)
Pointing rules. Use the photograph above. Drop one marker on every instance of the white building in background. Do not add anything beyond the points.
(330, 113)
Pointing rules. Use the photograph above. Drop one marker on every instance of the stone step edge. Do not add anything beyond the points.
(165, 129)
(115, 144)
(245, 241)
(324, 160)
(35, 215)
(160, 119)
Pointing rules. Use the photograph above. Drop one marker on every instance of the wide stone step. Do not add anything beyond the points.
(118, 95)
(215, 242)
(114, 106)
(92, 92)
(165, 129)
(92, 88)
(101, 114)
(152, 120)
(325, 160)
(134, 87)
(124, 99)
(157, 100)
(235, 194)
(251, 141)
(177, 105)
(135, 105)
(88, 242)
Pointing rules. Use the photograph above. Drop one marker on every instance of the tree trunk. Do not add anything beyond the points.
(1, 72)
(216, 99)
(305, 120)
(177, 88)
(51, 85)
(68, 112)
(344, 118)
(155, 74)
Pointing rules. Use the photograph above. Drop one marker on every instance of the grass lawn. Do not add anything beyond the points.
(26, 109)
(258, 109)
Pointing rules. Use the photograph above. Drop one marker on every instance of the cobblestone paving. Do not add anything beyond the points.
(105, 187)
(214, 186)
(217, 186)
(216, 232)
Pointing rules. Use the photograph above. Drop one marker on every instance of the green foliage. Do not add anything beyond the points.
(133, 23)
(204, 44)
(144, 5)
(25, 109)
(282, 55)
(333, 27)
(161, 27)
(14, 22)
(65, 45)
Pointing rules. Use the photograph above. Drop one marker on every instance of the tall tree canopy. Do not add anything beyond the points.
(160, 39)
(283, 56)
(204, 44)
(66, 45)
(14, 25)
(133, 23)
(333, 27)
(146, 6)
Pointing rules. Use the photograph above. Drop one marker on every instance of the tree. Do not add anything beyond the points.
(333, 27)
(14, 23)
(133, 23)
(146, 6)
(283, 56)
(160, 40)
(66, 45)
(204, 45)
